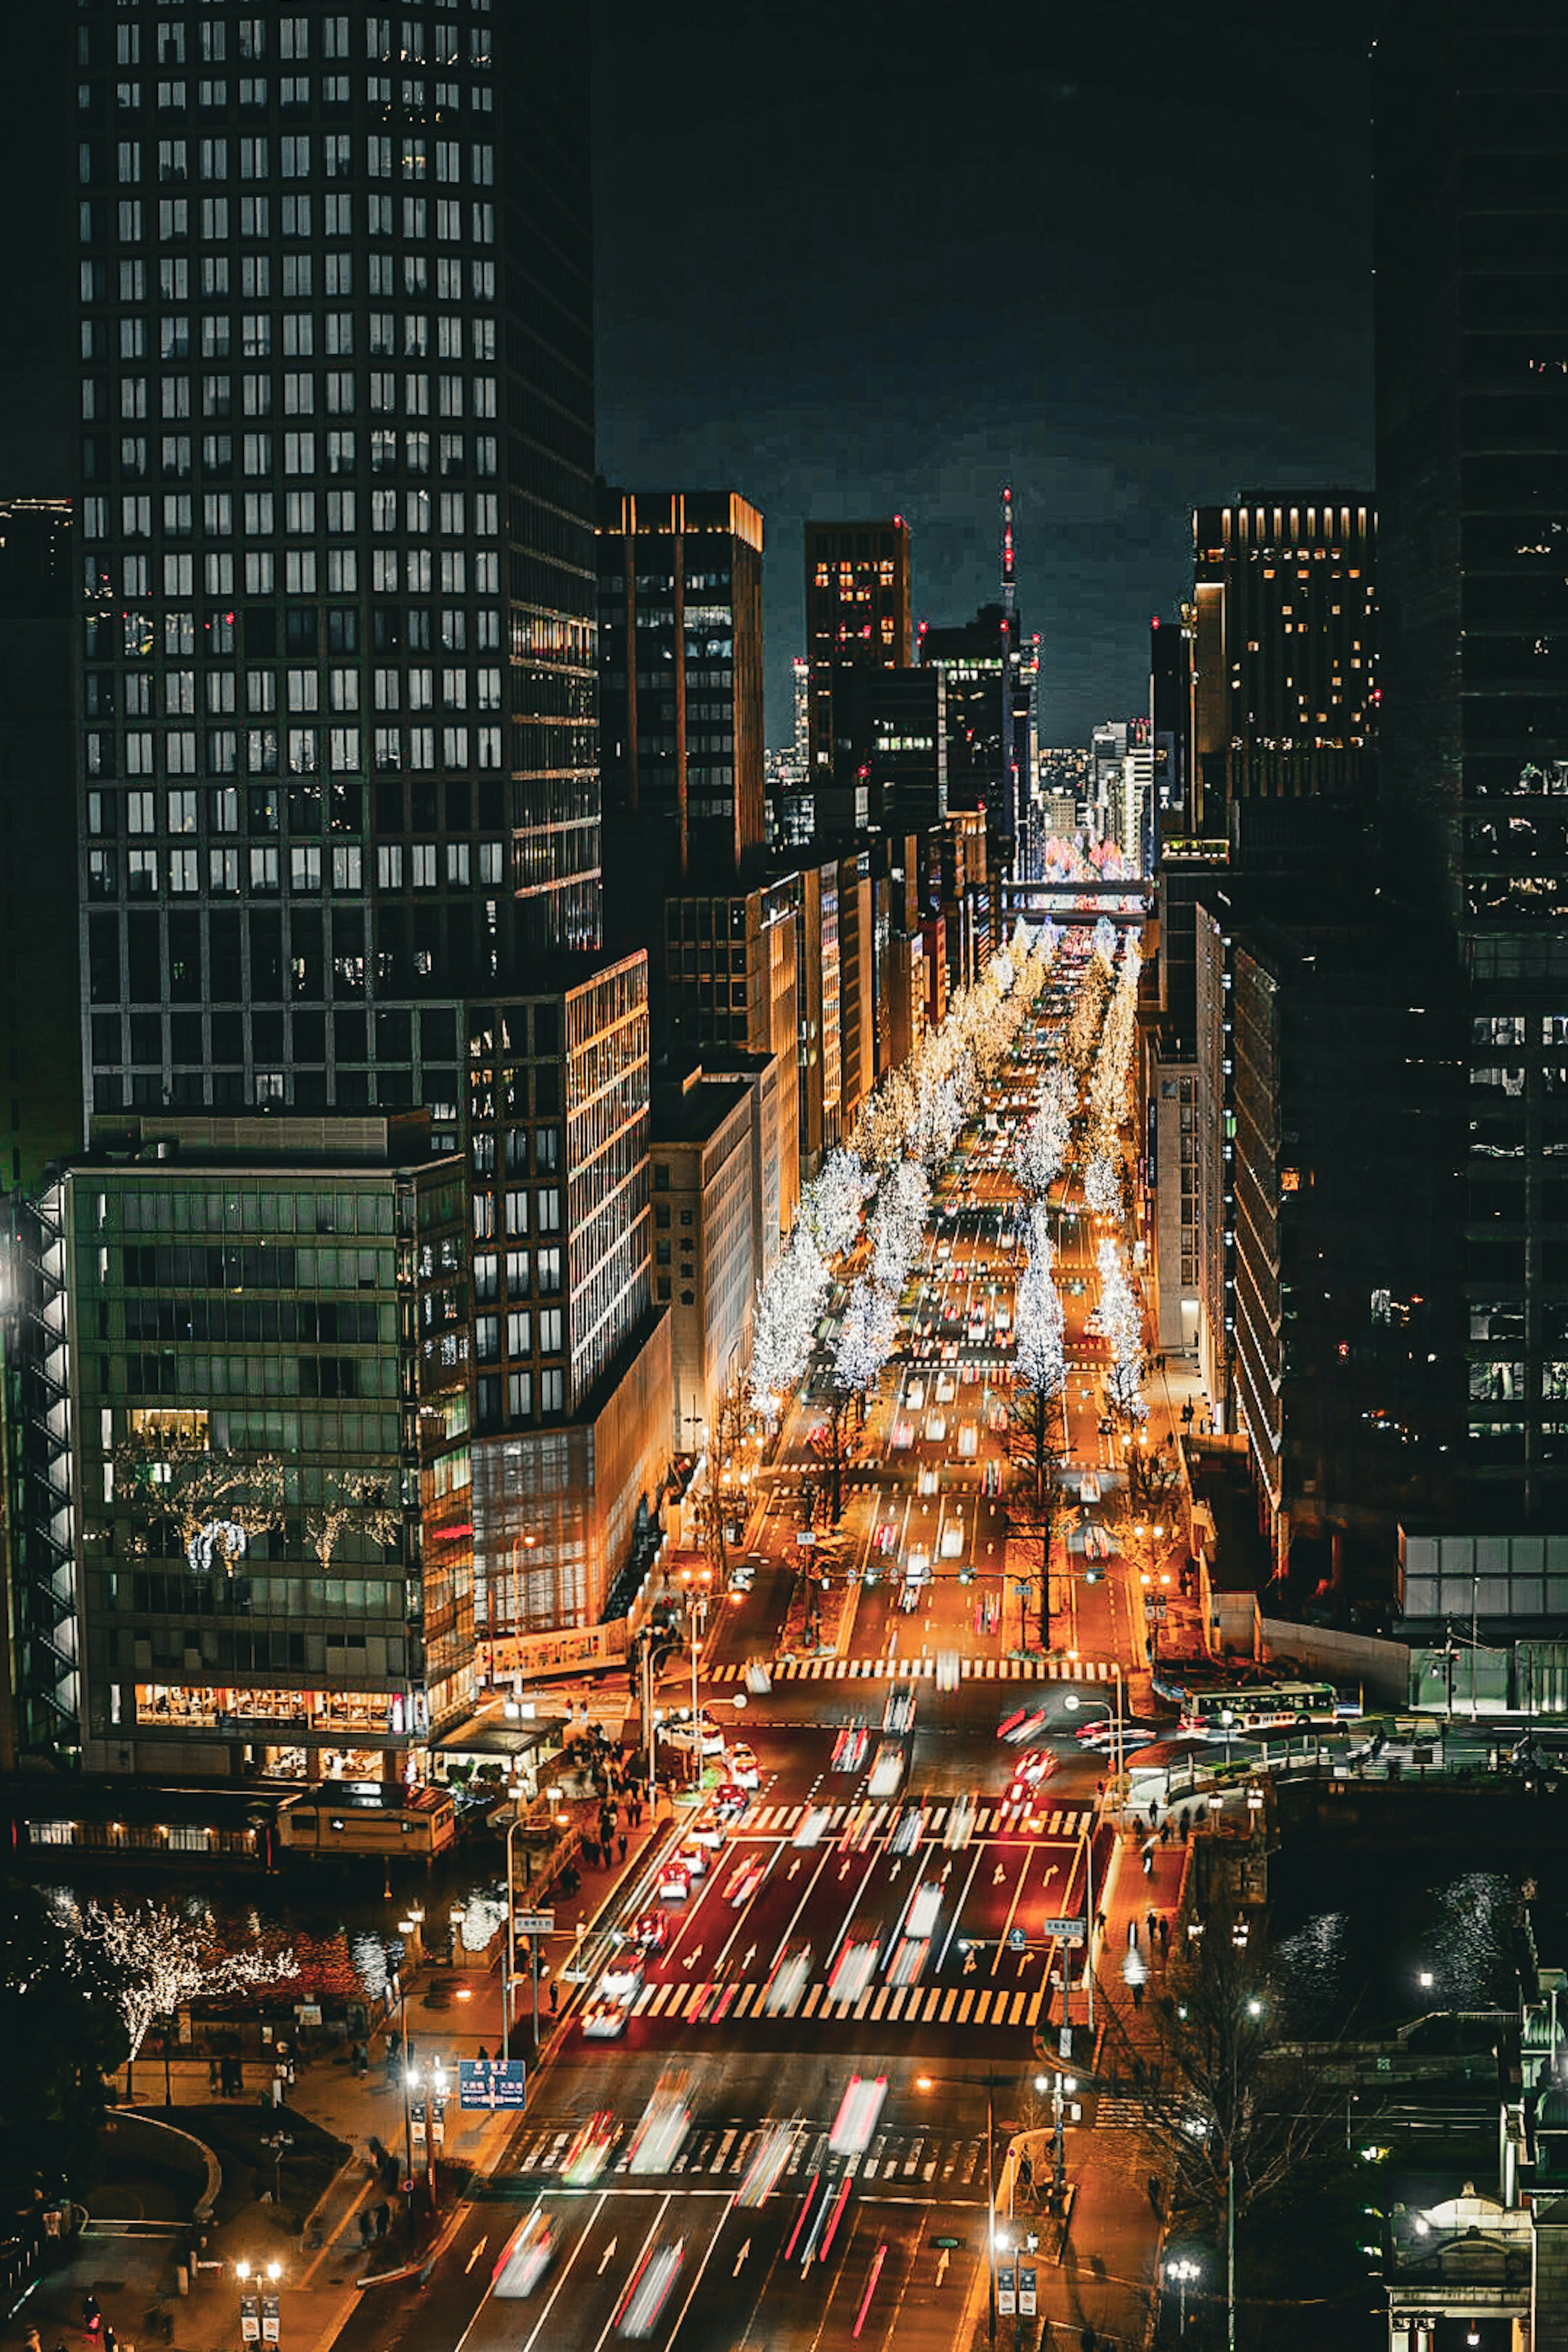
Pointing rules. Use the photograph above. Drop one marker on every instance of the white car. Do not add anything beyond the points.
(743, 1768)
(924, 1911)
(604, 2021)
(959, 1826)
(621, 1980)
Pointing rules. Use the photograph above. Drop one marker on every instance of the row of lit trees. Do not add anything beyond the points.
(186, 1496)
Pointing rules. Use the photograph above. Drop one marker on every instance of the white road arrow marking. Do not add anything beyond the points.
(739, 2258)
(608, 2256)
(943, 2261)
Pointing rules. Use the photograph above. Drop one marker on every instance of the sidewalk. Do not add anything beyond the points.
(130, 2252)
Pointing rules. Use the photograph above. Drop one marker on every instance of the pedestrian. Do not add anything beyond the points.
(1164, 1934)
(1150, 1922)
(214, 2077)
(382, 2218)
(483, 2053)
(555, 1996)
(1166, 1830)
(1185, 1821)
(1087, 2340)
(1154, 1816)
(1148, 1861)
(621, 1842)
(1138, 1994)
(1132, 1934)
(366, 2227)
(1154, 2190)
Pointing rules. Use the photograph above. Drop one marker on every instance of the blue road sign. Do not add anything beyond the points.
(491, 2083)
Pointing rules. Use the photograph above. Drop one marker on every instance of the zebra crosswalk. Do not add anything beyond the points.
(893, 1669)
(1066, 1821)
(703, 2001)
(723, 2152)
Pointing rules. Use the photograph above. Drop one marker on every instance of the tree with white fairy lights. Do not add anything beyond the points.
(211, 1502)
(1123, 1328)
(1036, 1502)
(158, 1958)
(788, 1307)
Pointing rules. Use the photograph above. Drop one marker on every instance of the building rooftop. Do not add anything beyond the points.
(694, 1109)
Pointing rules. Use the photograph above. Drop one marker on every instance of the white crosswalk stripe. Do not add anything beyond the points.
(695, 2000)
(782, 1820)
(890, 1669)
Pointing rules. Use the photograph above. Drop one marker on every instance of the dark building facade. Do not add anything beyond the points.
(857, 618)
(1471, 150)
(970, 660)
(1171, 710)
(680, 692)
(338, 760)
(1284, 652)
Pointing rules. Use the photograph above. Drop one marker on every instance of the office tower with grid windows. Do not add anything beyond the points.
(338, 752)
(680, 701)
(1285, 652)
(857, 618)
(1471, 150)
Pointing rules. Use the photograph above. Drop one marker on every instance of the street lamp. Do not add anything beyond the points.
(1186, 2272)
(1061, 2088)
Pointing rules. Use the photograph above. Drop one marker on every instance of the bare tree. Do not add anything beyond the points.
(1236, 2110)
(1040, 1506)
(213, 1502)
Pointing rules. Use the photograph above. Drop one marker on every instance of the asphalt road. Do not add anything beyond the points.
(902, 1938)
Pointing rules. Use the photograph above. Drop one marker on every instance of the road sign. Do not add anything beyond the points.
(949, 2245)
(1028, 2279)
(250, 2320)
(491, 2083)
(1069, 1931)
(534, 1923)
(1016, 1939)
(804, 1536)
(1006, 2294)
(1156, 1610)
(270, 2319)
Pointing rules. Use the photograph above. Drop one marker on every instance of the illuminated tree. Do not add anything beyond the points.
(358, 1499)
(213, 1502)
(159, 1959)
(1123, 1328)
(789, 1305)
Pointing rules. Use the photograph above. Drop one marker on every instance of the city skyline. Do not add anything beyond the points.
(1010, 301)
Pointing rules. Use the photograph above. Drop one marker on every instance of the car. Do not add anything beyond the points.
(682, 1731)
(887, 1770)
(854, 1968)
(1101, 1736)
(650, 1931)
(925, 1908)
(666, 2120)
(743, 1768)
(674, 1881)
(622, 1978)
(811, 1827)
(906, 1964)
(589, 2150)
(1106, 1425)
(903, 1435)
(959, 1826)
(908, 1829)
(898, 1714)
(740, 1579)
(886, 1535)
(915, 1395)
(604, 2021)
(1030, 1770)
(694, 1854)
(788, 1982)
(849, 1748)
(859, 1830)
(649, 2288)
(710, 1829)
(744, 1881)
(729, 1800)
(1021, 1725)
(525, 2257)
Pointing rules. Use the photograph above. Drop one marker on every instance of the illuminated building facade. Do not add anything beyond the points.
(267, 1559)
(1284, 656)
(857, 618)
(681, 702)
(337, 766)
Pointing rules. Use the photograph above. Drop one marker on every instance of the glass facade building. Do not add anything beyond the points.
(337, 767)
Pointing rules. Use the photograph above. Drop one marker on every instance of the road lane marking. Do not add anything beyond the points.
(947, 2003)
(1018, 2001)
(812, 1998)
(964, 2006)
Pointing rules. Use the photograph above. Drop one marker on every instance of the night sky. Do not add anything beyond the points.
(867, 259)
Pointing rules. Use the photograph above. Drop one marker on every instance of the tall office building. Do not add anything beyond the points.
(1285, 651)
(1471, 156)
(680, 691)
(1171, 710)
(337, 768)
(969, 658)
(857, 618)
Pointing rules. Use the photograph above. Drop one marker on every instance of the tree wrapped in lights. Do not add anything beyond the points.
(210, 1501)
(1037, 1504)
(158, 1958)
(1102, 1186)
(357, 1499)
(1043, 1148)
(789, 1305)
(1123, 1330)
(1087, 1015)
(904, 1204)
(830, 1207)
(866, 1340)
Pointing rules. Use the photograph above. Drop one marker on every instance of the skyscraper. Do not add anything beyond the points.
(857, 618)
(337, 769)
(1471, 150)
(969, 659)
(1284, 658)
(681, 706)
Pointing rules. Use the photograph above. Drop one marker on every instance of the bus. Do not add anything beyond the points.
(1263, 1706)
